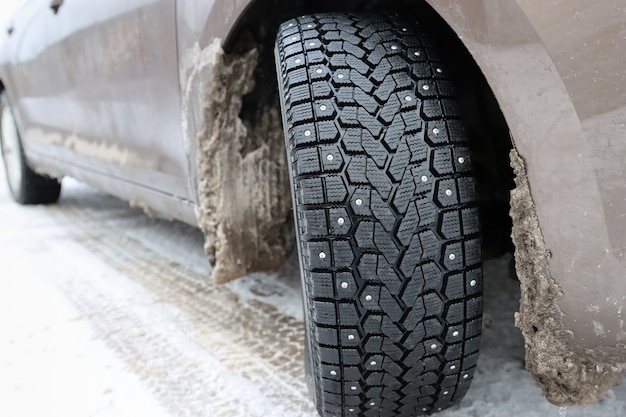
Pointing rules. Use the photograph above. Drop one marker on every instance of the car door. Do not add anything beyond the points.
(103, 93)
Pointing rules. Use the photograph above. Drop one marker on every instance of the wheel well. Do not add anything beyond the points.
(486, 126)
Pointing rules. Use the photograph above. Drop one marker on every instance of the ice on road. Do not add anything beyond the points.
(106, 312)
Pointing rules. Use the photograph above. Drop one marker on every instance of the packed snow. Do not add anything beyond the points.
(107, 312)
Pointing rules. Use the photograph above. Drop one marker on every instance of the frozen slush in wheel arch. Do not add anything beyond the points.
(386, 215)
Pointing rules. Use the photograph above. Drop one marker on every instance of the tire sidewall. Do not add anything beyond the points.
(16, 192)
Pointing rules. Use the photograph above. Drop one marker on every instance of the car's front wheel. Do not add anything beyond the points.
(386, 215)
(26, 186)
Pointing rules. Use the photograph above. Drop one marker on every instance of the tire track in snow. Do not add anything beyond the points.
(154, 334)
(249, 343)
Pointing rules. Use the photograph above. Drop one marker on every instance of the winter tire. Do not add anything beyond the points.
(386, 215)
(26, 186)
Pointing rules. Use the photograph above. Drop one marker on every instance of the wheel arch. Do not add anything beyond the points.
(506, 67)
(556, 187)
(254, 24)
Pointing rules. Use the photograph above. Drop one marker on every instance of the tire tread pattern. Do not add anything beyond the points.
(386, 214)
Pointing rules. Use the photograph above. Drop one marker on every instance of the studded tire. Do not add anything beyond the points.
(386, 215)
(25, 185)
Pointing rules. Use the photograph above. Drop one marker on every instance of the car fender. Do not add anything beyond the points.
(567, 156)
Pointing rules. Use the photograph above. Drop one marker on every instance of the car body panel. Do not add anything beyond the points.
(558, 77)
(116, 114)
(556, 113)
(591, 62)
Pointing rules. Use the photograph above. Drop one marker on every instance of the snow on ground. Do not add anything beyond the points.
(106, 312)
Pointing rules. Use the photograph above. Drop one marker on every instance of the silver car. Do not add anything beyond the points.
(394, 144)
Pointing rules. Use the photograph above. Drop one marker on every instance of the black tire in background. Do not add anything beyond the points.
(386, 215)
(26, 186)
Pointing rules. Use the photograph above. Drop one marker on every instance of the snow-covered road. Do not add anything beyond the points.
(106, 312)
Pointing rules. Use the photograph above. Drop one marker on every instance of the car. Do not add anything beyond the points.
(394, 145)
